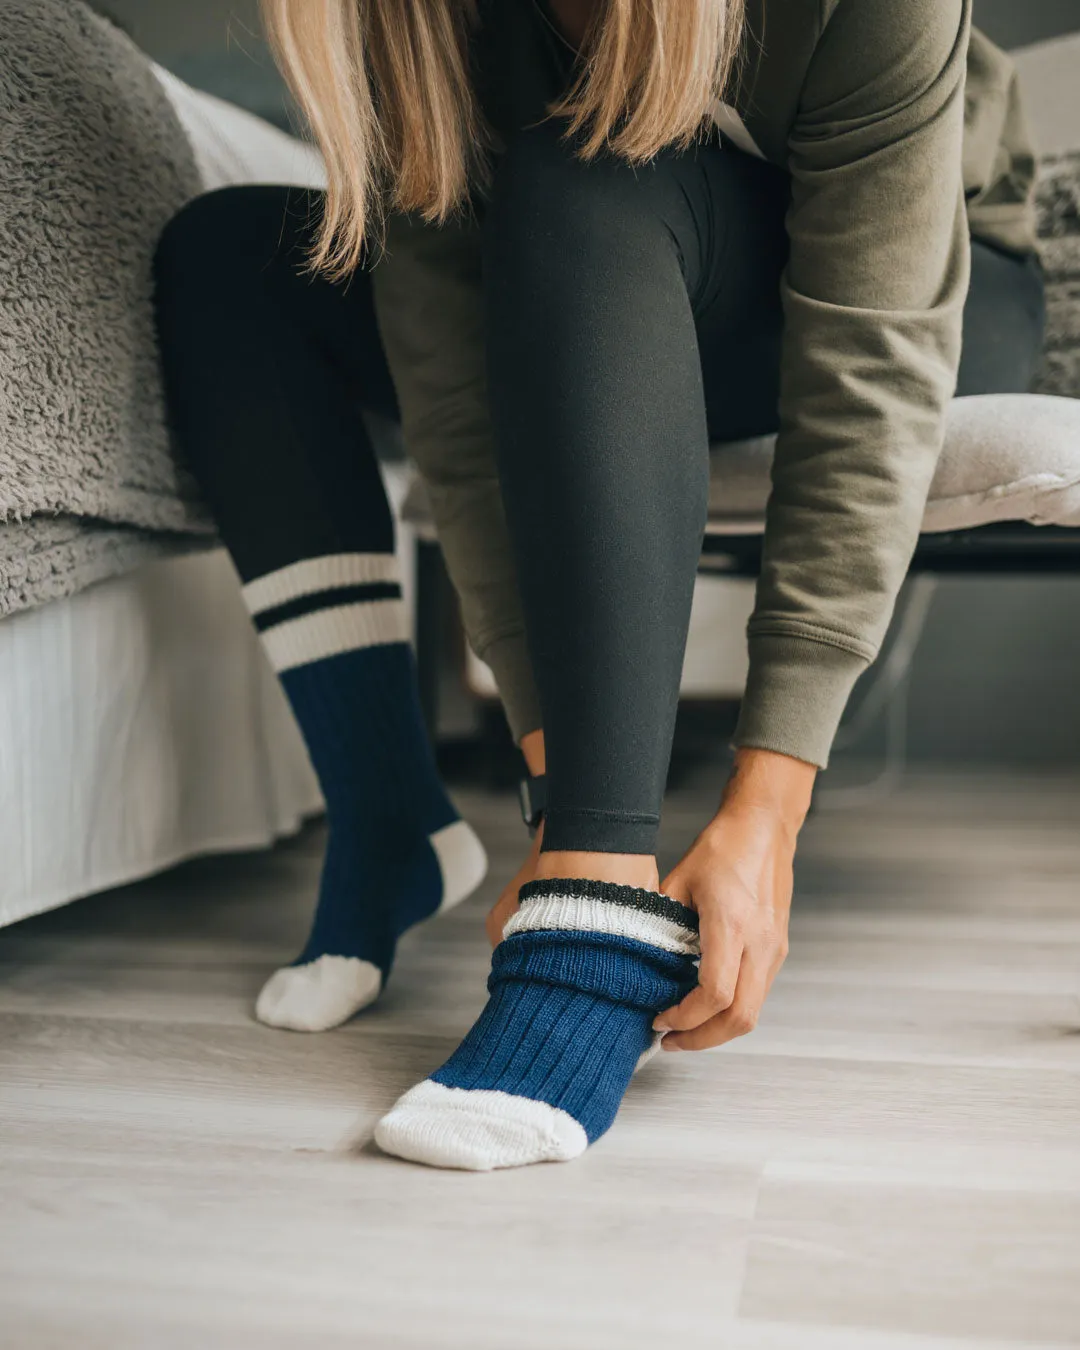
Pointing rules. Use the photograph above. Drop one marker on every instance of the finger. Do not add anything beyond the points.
(494, 927)
(499, 915)
(718, 975)
(779, 957)
(737, 1020)
(779, 951)
(675, 888)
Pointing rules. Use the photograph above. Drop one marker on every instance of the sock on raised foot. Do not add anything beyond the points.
(583, 969)
(335, 630)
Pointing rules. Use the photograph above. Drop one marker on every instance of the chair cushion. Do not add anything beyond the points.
(1006, 457)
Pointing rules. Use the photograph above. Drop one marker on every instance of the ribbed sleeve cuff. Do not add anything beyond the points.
(508, 658)
(796, 693)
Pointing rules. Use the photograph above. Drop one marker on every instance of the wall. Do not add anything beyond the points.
(214, 44)
(1012, 24)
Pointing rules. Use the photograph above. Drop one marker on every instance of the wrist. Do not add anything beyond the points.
(532, 750)
(764, 782)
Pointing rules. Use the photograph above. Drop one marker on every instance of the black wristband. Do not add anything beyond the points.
(533, 795)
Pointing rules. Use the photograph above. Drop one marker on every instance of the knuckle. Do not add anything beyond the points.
(774, 942)
(719, 992)
(744, 1021)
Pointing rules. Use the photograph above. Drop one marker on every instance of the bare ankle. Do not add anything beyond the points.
(622, 869)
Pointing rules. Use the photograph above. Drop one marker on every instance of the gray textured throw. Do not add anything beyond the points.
(93, 162)
(1059, 227)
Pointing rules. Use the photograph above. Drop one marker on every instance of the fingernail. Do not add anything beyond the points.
(660, 1025)
(670, 1046)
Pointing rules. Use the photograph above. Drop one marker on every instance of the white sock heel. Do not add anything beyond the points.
(463, 862)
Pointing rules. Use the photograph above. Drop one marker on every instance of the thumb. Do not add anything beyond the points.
(676, 886)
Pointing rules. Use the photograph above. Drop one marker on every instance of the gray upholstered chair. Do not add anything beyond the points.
(1005, 498)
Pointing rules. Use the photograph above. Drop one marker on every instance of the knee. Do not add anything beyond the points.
(548, 205)
(227, 237)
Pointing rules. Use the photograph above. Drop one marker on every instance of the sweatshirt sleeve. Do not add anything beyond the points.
(429, 306)
(873, 299)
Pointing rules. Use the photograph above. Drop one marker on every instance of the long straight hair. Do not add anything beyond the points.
(386, 89)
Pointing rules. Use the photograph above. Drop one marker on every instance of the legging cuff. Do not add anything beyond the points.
(580, 829)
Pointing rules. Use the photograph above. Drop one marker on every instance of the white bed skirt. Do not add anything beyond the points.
(139, 724)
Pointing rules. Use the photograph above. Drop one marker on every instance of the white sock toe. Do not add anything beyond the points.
(319, 995)
(477, 1130)
(462, 861)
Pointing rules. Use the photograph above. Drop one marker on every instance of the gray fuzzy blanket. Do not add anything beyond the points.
(93, 163)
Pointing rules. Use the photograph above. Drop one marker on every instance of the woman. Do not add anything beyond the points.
(619, 229)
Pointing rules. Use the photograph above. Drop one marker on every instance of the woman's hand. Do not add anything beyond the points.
(507, 903)
(738, 877)
(533, 751)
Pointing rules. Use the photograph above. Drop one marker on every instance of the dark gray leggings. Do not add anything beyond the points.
(633, 315)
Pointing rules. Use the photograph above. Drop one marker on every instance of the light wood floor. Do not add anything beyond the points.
(892, 1162)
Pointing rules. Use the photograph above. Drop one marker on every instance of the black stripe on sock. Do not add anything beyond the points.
(630, 897)
(329, 599)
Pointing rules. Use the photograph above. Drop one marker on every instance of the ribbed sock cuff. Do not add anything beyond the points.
(606, 909)
(322, 607)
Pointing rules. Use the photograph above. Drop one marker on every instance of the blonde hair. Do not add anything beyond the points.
(385, 86)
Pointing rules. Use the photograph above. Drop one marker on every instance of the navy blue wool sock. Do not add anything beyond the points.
(583, 969)
(397, 851)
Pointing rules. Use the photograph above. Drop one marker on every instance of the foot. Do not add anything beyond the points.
(362, 912)
(637, 870)
(575, 985)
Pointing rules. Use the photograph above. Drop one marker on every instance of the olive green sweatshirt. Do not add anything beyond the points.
(903, 136)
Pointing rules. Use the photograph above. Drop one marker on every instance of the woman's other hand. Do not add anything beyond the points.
(533, 752)
(507, 903)
(737, 875)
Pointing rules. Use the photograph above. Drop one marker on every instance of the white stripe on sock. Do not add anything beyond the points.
(319, 574)
(584, 915)
(329, 632)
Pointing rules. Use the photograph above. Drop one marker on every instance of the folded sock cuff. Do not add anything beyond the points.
(322, 607)
(309, 576)
(602, 907)
(619, 970)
